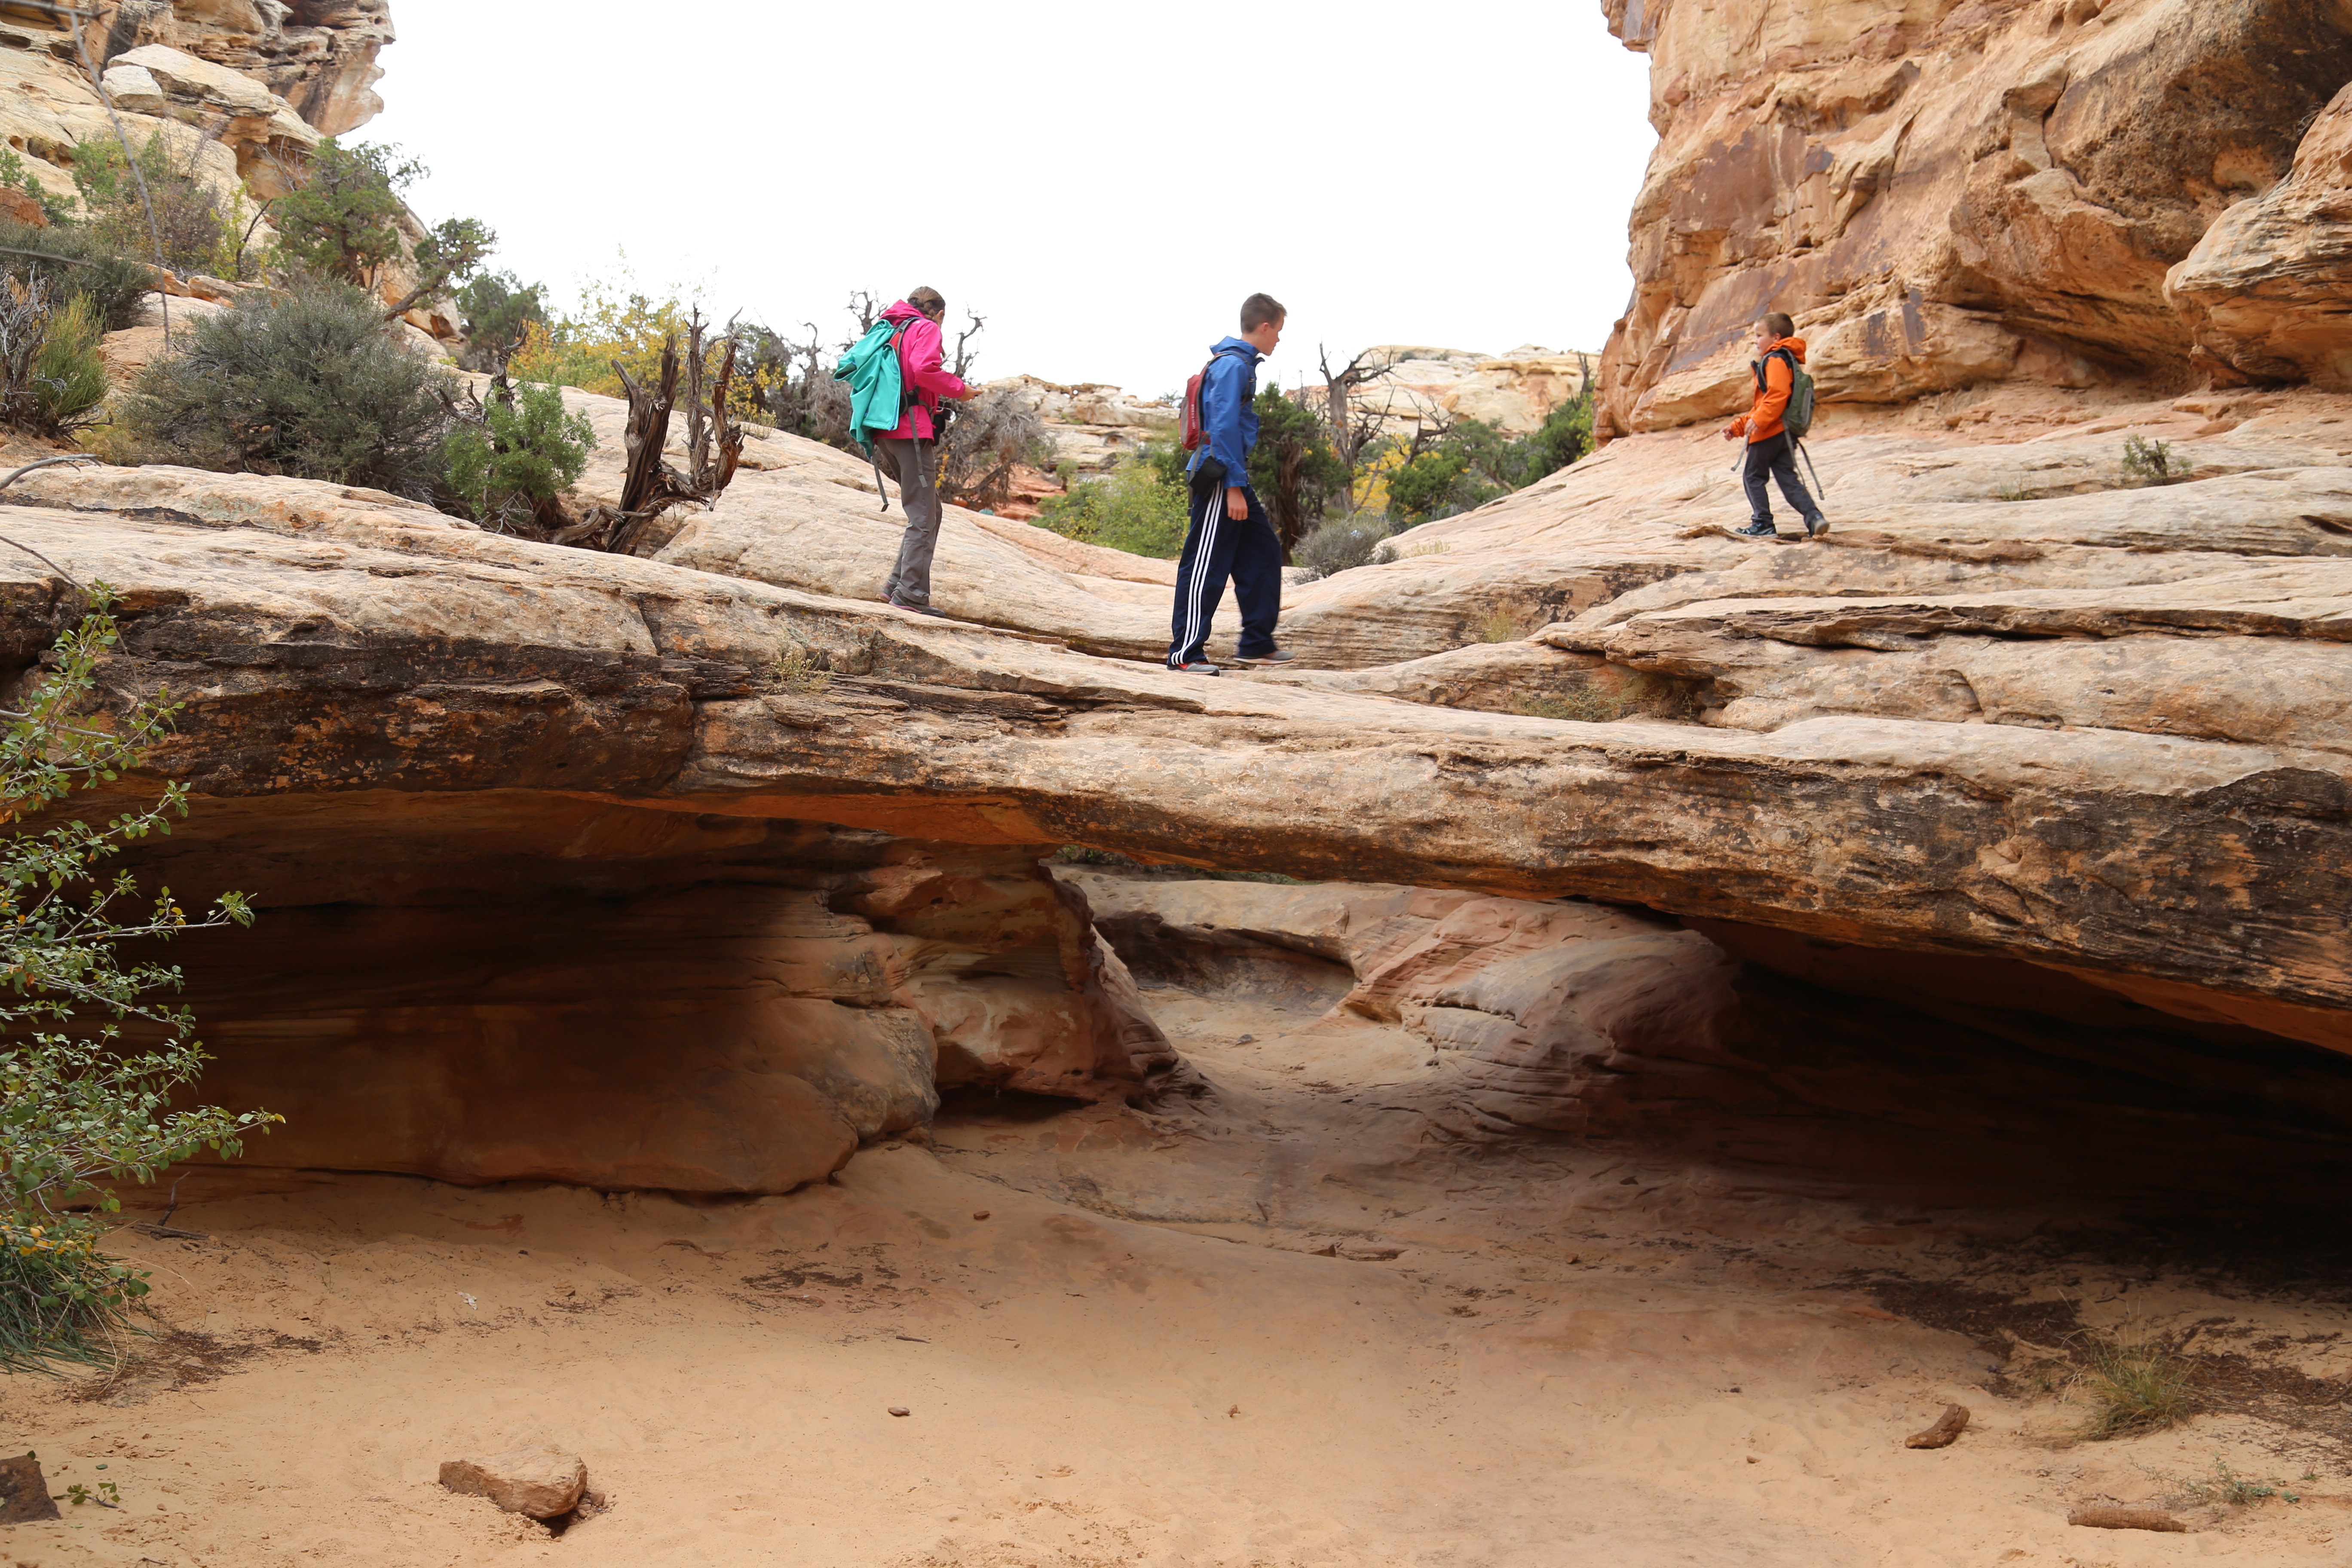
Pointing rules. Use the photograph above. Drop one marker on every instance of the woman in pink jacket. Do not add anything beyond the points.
(912, 449)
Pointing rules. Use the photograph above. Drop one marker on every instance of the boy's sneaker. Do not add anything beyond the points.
(1279, 656)
(916, 609)
(1198, 667)
(1757, 529)
(1816, 525)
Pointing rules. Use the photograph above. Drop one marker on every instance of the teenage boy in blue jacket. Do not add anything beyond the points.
(1231, 535)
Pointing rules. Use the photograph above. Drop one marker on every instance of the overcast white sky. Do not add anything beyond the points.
(1103, 180)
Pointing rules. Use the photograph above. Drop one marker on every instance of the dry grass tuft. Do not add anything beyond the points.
(2135, 1385)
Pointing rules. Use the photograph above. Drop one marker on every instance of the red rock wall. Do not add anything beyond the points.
(1944, 192)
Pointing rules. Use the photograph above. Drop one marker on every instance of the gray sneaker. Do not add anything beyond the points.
(1758, 530)
(916, 609)
(1198, 667)
(1279, 656)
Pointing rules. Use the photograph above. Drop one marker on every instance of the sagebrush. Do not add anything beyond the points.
(306, 382)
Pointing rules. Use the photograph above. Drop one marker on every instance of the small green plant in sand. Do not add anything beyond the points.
(2146, 462)
(2135, 1385)
(2224, 1488)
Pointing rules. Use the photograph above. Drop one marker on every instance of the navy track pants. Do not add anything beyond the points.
(1217, 547)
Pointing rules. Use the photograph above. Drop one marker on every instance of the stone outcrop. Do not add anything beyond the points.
(1934, 1078)
(243, 90)
(1944, 193)
(319, 55)
(1419, 385)
(2263, 293)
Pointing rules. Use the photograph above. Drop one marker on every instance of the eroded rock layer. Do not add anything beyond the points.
(1851, 1070)
(504, 984)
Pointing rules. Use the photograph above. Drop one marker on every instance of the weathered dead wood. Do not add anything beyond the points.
(649, 486)
(1945, 1432)
(2105, 1517)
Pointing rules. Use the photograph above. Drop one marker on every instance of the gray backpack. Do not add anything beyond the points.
(1799, 416)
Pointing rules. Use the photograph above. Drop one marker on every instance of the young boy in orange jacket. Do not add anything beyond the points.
(1771, 453)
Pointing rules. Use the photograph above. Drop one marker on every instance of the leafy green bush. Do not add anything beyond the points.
(307, 382)
(500, 313)
(200, 228)
(78, 1105)
(2146, 462)
(522, 453)
(343, 222)
(51, 378)
(1340, 545)
(68, 377)
(16, 176)
(1133, 509)
(618, 327)
(1473, 463)
(1293, 468)
(77, 262)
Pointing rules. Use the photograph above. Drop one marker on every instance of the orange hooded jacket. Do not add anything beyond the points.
(1762, 422)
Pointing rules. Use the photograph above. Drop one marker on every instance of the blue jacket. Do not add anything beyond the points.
(1227, 419)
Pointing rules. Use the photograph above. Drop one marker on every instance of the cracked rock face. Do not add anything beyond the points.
(1948, 193)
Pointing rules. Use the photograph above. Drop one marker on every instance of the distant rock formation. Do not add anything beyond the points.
(1950, 192)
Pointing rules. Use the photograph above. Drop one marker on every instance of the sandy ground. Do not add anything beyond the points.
(1292, 1321)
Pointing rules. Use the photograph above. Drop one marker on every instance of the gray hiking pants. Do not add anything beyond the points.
(915, 465)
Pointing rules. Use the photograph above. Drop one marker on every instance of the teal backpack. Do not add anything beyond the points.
(878, 396)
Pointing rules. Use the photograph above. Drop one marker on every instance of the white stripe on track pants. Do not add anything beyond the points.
(1217, 547)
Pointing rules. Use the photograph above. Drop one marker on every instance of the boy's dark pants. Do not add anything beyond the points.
(1777, 459)
(1216, 547)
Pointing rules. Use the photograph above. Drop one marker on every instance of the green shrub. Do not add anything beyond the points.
(522, 453)
(16, 176)
(1293, 468)
(68, 377)
(1473, 463)
(1133, 509)
(499, 313)
(307, 382)
(617, 328)
(2146, 462)
(77, 262)
(51, 378)
(77, 1104)
(1341, 545)
(342, 223)
(199, 228)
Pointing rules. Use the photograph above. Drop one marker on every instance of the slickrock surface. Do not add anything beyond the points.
(1946, 194)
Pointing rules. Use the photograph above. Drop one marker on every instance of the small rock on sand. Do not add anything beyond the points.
(1944, 1432)
(24, 1493)
(540, 1482)
(2105, 1518)
(900, 1410)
